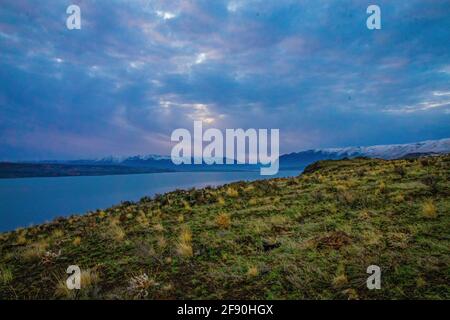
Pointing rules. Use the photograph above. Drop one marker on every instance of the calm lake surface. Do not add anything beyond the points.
(28, 201)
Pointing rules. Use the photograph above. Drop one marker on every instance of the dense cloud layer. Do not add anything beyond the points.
(139, 69)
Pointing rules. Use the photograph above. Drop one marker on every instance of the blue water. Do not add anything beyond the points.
(28, 201)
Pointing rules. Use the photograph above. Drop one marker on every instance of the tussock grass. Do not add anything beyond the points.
(252, 271)
(220, 201)
(62, 291)
(382, 187)
(184, 245)
(186, 235)
(35, 251)
(429, 209)
(223, 221)
(116, 232)
(21, 238)
(184, 249)
(142, 219)
(88, 280)
(6, 275)
(58, 233)
(76, 241)
(340, 280)
(232, 193)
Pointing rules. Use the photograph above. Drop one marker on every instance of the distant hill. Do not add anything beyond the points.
(157, 163)
(298, 160)
(22, 170)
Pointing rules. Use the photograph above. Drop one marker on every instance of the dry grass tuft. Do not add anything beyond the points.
(88, 279)
(21, 239)
(223, 221)
(58, 233)
(249, 188)
(364, 215)
(184, 250)
(76, 241)
(344, 195)
(167, 287)
(399, 198)
(421, 282)
(5, 275)
(429, 209)
(340, 280)
(142, 219)
(252, 271)
(184, 246)
(186, 206)
(186, 235)
(220, 201)
(115, 231)
(158, 227)
(34, 251)
(351, 294)
(62, 291)
(382, 187)
(232, 193)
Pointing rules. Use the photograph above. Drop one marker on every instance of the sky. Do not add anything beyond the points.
(137, 70)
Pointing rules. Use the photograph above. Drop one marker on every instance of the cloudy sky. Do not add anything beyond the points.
(137, 70)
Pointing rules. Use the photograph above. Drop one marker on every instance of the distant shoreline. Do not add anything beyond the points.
(27, 170)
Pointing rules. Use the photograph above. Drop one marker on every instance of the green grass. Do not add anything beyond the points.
(308, 237)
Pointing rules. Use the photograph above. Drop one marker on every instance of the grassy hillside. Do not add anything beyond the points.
(312, 236)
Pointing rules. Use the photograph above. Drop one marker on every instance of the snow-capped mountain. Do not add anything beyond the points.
(155, 163)
(122, 159)
(299, 159)
(394, 151)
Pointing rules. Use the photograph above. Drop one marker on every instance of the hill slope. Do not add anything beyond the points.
(312, 236)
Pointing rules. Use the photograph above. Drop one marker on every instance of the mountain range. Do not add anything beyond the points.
(156, 163)
(387, 152)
